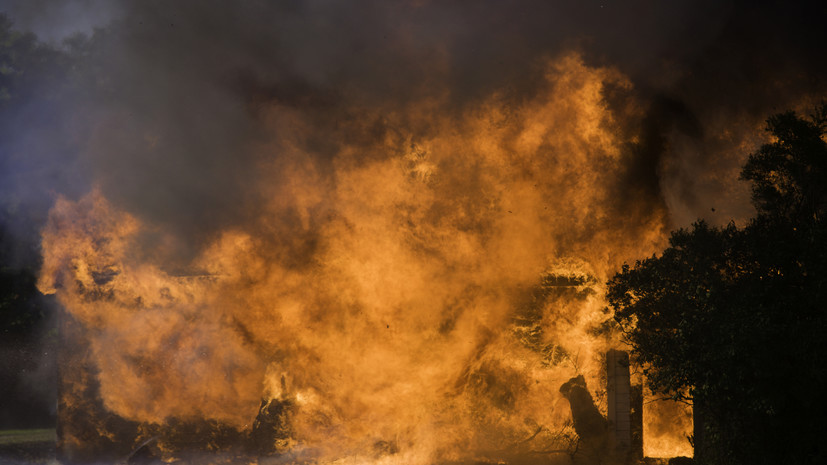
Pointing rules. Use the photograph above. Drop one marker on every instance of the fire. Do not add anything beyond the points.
(393, 292)
(667, 422)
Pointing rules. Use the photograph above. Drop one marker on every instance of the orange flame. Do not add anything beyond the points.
(377, 290)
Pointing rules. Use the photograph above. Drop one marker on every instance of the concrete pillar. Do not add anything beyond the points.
(618, 387)
(636, 452)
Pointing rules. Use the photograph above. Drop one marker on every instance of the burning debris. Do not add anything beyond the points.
(591, 427)
(271, 432)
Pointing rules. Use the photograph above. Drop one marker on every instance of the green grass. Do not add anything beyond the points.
(20, 436)
(27, 446)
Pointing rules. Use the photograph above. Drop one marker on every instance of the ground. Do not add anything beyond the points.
(18, 447)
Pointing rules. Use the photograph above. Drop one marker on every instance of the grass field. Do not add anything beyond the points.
(32, 446)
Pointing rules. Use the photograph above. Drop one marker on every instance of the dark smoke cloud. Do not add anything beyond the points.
(55, 20)
(166, 115)
(763, 60)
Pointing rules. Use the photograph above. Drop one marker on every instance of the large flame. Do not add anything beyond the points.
(430, 285)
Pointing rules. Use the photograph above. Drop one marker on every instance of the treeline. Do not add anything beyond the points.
(733, 319)
(35, 84)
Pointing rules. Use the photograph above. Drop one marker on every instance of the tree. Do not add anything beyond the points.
(33, 79)
(733, 319)
(789, 176)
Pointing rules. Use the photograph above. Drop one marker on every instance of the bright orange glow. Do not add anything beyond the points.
(667, 428)
(378, 290)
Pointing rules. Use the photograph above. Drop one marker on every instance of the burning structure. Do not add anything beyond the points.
(344, 235)
(174, 365)
(401, 290)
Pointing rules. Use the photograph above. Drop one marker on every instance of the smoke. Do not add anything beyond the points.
(55, 20)
(173, 109)
(366, 200)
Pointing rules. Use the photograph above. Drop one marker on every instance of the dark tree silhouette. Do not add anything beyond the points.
(733, 319)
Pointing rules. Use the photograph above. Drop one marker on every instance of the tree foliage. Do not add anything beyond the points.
(733, 319)
(33, 82)
(23, 64)
(789, 176)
